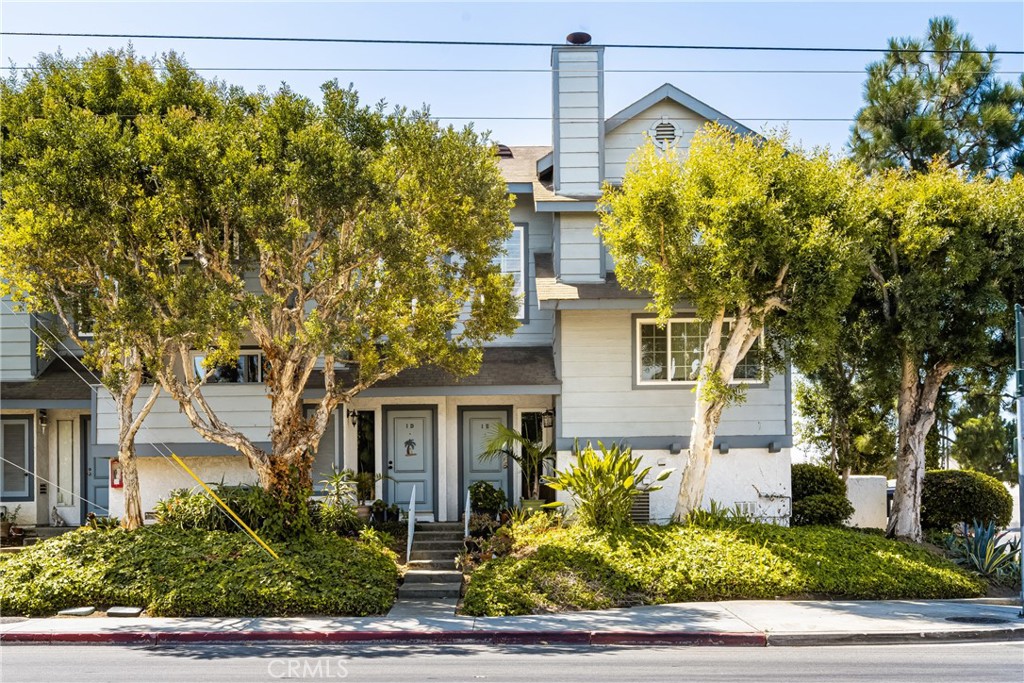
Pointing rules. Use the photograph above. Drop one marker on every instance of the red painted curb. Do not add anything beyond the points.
(441, 637)
(679, 638)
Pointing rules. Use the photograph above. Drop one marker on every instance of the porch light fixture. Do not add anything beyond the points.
(548, 417)
(353, 416)
(43, 421)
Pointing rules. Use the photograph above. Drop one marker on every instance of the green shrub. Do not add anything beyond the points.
(486, 498)
(603, 487)
(951, 497)
(823, 509)
(268, 516)
(559, 569)
(819, 497)
(338, 518)
(175, 572)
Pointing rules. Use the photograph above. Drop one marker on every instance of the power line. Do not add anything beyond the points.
(487, 43)
(358, 69)
(157, 445)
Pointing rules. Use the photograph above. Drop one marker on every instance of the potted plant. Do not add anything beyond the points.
(485, 498)
(379, 511)
(7, 519)
(529, 455)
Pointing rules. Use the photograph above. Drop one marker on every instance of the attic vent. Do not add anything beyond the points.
(504, 152)
(665, 133)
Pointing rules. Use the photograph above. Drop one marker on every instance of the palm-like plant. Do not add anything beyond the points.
(529, 455)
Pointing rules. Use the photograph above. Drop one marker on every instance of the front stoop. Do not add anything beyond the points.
(431, 568)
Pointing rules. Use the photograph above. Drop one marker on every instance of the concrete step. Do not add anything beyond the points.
(430, 590)
(439, 526)
(444, 554)
(433, 576)
(438, 535)
(431, 544)
(415, 564)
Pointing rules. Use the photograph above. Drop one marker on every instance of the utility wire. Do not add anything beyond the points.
(488, 43)
(157, 445)
(360, 69)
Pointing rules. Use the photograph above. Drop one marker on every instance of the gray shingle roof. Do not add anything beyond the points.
(57, 383)
(502, 366)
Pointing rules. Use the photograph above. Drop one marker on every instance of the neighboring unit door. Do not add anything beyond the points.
(410, 457)
(477, 429)
(97, 477)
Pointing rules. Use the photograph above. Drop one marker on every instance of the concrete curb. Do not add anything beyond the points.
(440, 637)
(590, 638)
(1010, 633)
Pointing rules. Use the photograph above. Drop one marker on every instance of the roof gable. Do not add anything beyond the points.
(674, 94)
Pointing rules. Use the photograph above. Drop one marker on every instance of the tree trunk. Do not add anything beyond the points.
(916, 410)
(698, 461)
(130, 477)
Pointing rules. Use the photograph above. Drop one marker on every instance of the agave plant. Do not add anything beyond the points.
(603, 486)
(982, 550)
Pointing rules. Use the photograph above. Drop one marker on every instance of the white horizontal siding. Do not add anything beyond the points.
(15, 344)
(244, 406)
(579, 249)
(620, 144)
(598, 398)
(578, 126)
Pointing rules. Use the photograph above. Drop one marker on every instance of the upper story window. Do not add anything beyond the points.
(248, 369)
(672, 353)
(513, 262)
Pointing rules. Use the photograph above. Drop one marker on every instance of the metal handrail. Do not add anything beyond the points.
(412, 524)
(465, 531)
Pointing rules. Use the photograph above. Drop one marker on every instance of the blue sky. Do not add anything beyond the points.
(749, 97)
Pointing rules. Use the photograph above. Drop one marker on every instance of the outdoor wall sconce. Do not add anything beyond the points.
(353, 416)
(774, 447)
(548, 417)
(723, 447)
(43, 420)
(675, 448)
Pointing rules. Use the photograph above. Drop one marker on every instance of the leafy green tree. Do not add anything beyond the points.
(983, 435)
(760, 239)
(351, 239)
(947, 264)
(940, 97)
(81, 236)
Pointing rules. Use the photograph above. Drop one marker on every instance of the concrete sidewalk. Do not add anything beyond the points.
(751, 623)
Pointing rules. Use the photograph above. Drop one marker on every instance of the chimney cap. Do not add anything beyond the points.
(578, 38)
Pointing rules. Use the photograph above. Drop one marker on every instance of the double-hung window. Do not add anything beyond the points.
(248, 369)
(672, 353)
(513, 262)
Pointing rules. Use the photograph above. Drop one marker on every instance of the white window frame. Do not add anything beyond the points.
(196, 355)
(638, 355)
(521, 293)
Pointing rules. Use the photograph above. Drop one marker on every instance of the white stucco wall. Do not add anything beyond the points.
(158, 475)
(752, 477)
(867, 495)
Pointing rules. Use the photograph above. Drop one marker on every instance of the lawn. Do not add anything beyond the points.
(174, 572)
(566, 569)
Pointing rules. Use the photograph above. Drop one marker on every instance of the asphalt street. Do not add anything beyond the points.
(962, 663)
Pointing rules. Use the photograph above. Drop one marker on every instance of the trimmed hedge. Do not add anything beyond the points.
(951, 497)
(175, 572)
(554, 570)
(819, 497)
